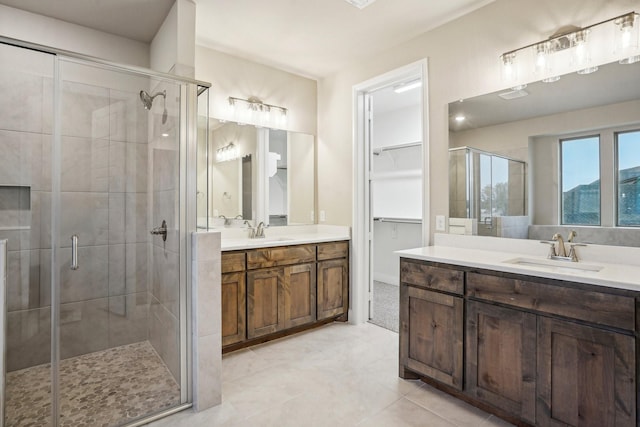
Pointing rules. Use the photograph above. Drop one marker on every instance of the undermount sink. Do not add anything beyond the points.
(556, 265)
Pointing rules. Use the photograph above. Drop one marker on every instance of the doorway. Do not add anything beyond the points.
(390, 195)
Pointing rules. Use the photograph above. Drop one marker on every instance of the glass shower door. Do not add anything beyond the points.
(117, 291)
(26, 113)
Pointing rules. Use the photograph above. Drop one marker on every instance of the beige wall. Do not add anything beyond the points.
(241, 78)
(173, 47)
(463, 62)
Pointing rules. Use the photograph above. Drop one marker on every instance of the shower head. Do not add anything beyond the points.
(147, 100)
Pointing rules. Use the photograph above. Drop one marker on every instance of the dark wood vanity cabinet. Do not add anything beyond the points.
(432, 331)
(586, 376)
(234, 298)
(501, 358)
(281, 289)
(287, 287)
(536, 351)
(333, 279)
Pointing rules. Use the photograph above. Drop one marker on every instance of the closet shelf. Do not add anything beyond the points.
(399, 220)
(379, 150)
(409, 173)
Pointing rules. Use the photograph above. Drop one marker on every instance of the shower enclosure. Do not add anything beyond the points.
(92, 206)
(490, 188)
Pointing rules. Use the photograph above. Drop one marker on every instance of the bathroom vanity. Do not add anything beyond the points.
(537, 343)
(280, 285)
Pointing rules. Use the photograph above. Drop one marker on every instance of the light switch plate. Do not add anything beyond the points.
(323, 217)
(440, 223)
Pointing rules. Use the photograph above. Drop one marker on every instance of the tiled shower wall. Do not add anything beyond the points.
(104, 200)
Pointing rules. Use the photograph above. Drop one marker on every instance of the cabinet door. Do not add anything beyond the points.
(333, 288)
(233, 308)
(586, 376)
(264, 303)
(431, 328)
(299, 294)
(501, 358)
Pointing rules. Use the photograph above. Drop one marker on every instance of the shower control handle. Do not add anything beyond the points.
(74, 252)
(162, 230)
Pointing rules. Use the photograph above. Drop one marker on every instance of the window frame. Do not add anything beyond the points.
(561, 175)
(616, 168)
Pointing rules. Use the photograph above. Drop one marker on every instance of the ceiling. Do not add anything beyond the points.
(133, 19)
(312, 38)
(315, 38)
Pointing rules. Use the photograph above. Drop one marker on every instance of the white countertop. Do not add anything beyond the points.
(237, 239)
(471, 253)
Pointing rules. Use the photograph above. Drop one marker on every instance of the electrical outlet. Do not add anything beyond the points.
(440, 223)
(312, 216)
(323, 217)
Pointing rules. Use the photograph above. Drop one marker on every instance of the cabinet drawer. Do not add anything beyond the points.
(426, 276)
(590, 306)
(283, 255)
(233, 261)
(333, 250)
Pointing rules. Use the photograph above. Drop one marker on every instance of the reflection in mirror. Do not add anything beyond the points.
(487, 193)
(528, 124)
(231, 175)
(257, 174)
(277, 177)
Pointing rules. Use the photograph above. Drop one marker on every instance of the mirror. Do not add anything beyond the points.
(258, 174)
(527, 125)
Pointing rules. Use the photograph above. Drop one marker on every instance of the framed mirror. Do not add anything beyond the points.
(530, 124)
(257, 175)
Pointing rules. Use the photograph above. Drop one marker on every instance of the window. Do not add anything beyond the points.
(580, 175)
(628, 176)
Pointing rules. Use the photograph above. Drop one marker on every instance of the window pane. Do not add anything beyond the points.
(628, 178)
(581, 181)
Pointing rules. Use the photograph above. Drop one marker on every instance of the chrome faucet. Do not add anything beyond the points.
(561, 251)
(252, 230)
(260, 230)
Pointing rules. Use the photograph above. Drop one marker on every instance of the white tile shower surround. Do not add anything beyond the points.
(336, 375)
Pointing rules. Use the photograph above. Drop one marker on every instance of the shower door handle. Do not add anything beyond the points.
(74, 252)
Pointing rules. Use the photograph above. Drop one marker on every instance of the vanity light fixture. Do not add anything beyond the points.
(574, 49)
(628, 37)
(228, 152)
(407, 86)
(254, 111)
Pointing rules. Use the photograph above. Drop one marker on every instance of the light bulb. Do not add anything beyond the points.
(626, 37)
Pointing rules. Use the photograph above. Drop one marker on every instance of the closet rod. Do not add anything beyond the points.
(399, 220)
(377, 151)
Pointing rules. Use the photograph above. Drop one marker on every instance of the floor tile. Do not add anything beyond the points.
(405, 413)
(335, 375)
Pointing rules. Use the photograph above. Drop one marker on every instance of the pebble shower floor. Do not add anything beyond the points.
(105, 388)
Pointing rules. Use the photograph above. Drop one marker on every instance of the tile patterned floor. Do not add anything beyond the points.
(105, 388)
(337, 375)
